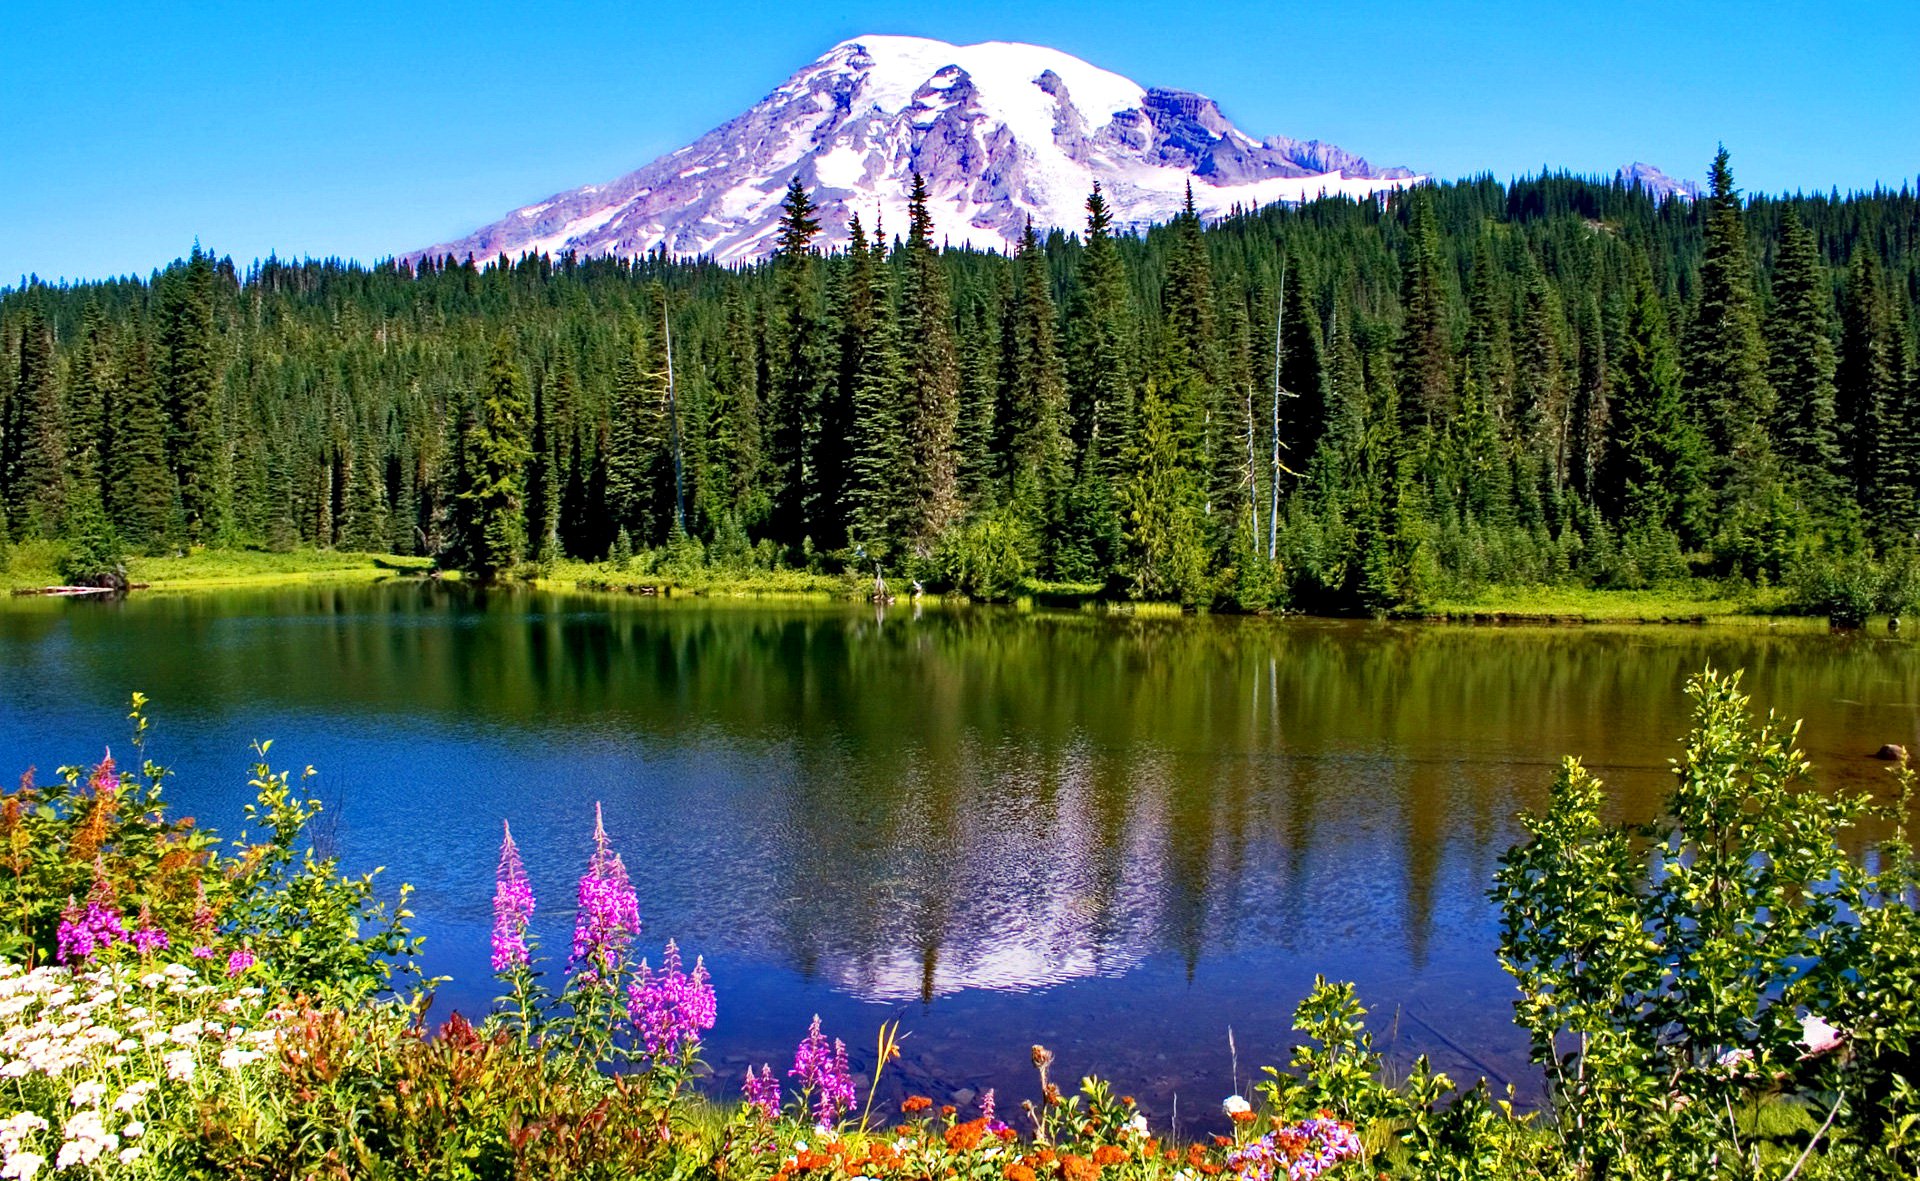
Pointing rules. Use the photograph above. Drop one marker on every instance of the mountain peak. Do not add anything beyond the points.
(1002, 131)
(1657, 184)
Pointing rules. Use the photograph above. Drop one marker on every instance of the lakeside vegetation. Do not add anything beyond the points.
(1335, 407)
(1723, 994)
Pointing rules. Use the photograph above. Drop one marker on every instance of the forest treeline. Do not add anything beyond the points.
(1335, 406)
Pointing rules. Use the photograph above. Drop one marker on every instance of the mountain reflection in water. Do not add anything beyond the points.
(1119, 837)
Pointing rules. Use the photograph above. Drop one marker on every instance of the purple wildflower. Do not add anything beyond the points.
(240, 961)
(81, 933)
(763, 1092)
(609, 914)
(105, 780)
(512, 908)
(986, 1106)
(203, 953)
(1299, 1153)
(149, 939)
(670, 1007)
(825, 1072)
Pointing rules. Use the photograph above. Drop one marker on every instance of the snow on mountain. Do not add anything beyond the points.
(1658, 184)
(1001, 131)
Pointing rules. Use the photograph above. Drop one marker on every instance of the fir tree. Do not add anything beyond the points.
(33, 462)
(877, 515)
(1426, 334)
(1651, 473)
(189, 388)
(801, 372)
(933, 377)
(1726, 359)
(1033, 442)
(1100, 345)
(1803, 362)
(497, 450)
(140, 496)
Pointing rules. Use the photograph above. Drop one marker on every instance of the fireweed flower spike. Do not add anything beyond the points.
(609, 915)
(512, 908)
(823, 1070)
(671, 1007)
(763, 1092)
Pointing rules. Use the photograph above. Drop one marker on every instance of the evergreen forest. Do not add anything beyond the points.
(1339, 406)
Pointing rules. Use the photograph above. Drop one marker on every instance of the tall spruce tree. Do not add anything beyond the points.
(1802, 367)
(1651, 474)
(1100, 345)
(33, 462)
(189, 388)
(877, 512)
(1426, 334)
(1865, 390)
(933, 377)
(1033, 443)
(801, 370)
(1726, 376)
(497, 450)
(140, 497)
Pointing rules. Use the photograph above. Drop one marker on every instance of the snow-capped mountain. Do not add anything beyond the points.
(1658, 184)
(1001, 131)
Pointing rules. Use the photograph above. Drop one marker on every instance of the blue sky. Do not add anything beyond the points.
(129, 129)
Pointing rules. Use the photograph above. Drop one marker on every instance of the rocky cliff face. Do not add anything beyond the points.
(1002, 132)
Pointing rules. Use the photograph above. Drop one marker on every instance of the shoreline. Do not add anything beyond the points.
(32, 570)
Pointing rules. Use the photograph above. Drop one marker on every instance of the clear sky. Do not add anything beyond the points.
(128, 129)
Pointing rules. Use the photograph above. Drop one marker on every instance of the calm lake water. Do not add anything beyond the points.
(1118, 838)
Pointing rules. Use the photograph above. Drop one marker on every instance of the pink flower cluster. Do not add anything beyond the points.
(763, 1092)
(608, 919)
(670, 1007)
(82, 933)
(824, 1071)
(1299, 1153)
(512, 909)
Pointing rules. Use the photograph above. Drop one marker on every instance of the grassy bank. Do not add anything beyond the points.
(33, 565)
(1696, 602)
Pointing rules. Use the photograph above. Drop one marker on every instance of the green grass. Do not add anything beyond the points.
(36, 564)
(717, 583)
(1690, 602)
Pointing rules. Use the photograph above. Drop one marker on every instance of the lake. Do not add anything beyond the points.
(1118, 837)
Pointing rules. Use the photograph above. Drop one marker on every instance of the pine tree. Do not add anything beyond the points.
(497, 448)
(1542, 407)
(140, 497)
(1587, 436)
(33, 462)
(1726, 358)
(1802, 371)
(1490, 332)
(1100, 345)
(933, 377)
(736, 446)
(1161, 505)
(1426, 334)
(189, 389)
(801, 372)
(1033, 442)
(1651, 475)
(979, 398)
(877, 514)
(1865, 391)
(543, 479)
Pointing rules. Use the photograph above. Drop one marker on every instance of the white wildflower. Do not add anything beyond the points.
(88, 1093)
(179, 1065)
(1235, 1105)
(1818, 1036)
(133, 1130)
(22, 1166)
(129, 1155)
(135, 1094)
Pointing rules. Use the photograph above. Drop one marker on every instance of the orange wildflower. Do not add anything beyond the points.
(966, 1137)
(915, 1104)
(1108, 1154)
(1018, 1172)
(1077, 1168)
